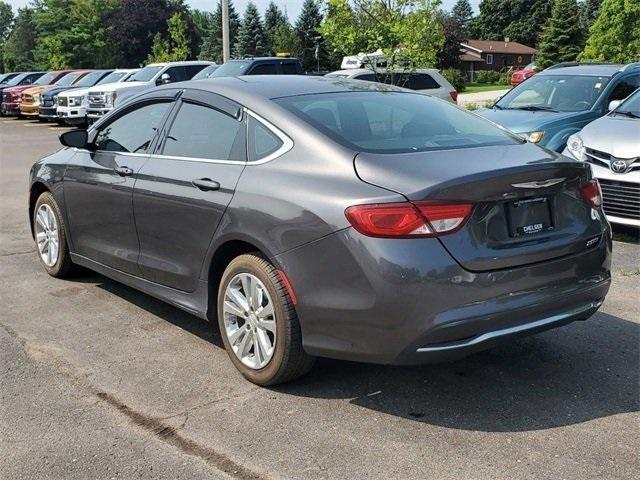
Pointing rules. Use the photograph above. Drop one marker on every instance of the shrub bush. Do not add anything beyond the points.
(487, 76)
(505, 78)
(455, 78)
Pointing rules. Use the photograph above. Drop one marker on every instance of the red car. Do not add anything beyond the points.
(521, 75)
(11, 97)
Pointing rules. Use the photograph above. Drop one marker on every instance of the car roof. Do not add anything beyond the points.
(355, 71)
(250, 90)
(257, 59)
(603, 70)
(186, 63)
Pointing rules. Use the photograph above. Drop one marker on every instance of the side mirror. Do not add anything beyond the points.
(614, 104)
(164, 79)
(75, 139)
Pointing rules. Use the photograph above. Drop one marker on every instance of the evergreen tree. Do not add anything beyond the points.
(591, 9)
(20, 44)
(273, 19)
(615, 35)
(307, 27)
(6, 23)
(177, 46)
(562, 38)
(454, 35)
(201, 27)
(285, 40)
(212, 45)
(462, 13)
(251, 40)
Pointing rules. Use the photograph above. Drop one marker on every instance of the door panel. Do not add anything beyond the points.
(98, 186)
(181, 195)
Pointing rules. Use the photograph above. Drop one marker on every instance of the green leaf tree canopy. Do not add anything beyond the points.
(177, 46)
(462, 12)
(19, 46)
(251, 40)
(615, 35)
(273, 19)
(308, 28)
(562, 38)
(403, 29)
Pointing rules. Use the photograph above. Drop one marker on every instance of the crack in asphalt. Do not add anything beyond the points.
(164, 432)
(11, 254)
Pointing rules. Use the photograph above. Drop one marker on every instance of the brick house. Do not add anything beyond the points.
(493, 55)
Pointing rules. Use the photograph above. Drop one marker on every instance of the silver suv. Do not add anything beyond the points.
(611, 145)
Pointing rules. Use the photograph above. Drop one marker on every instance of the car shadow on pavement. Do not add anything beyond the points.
(580, 372)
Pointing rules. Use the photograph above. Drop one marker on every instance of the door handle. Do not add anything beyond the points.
(206, 184)
(124, 171)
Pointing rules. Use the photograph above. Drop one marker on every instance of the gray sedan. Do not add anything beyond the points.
(309, 217)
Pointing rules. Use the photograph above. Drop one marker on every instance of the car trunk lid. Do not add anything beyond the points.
(528, 205)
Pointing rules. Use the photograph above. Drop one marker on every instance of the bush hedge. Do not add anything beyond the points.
(455, 78)
(487, 76)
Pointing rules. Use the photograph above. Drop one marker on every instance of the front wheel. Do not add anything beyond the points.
(258, 323)
(48, 230)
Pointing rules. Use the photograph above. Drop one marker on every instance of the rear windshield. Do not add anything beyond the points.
(231, 68)
(394, 122)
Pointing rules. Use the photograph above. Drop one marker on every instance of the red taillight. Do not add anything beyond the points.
(454, 95)
(592, 193)
(408, 220)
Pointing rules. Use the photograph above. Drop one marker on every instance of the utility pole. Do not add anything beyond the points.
(226, 51)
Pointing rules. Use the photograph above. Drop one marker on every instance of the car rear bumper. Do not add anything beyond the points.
(408, 302)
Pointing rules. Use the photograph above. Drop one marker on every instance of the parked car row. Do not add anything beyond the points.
(581, 110)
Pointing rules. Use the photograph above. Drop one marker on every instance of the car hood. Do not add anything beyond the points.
(18, 89)
(75, 92)
(112, 87)
(520, 121)
(55, 91)
(39, 89)
(615, 135)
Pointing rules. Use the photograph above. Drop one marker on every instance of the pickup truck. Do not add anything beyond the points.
(11, 91)
(31, 97)
(72, 104)
(259, 66)
(102, 100)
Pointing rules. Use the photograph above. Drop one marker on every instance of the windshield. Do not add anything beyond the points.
(46, 79)
(394, 122)
(113, 77)
(68, 79)
(630, 105)
(558, 93)
(144, 75)
(205, 73)
(90, 79)
(17, 79)
(232, 68)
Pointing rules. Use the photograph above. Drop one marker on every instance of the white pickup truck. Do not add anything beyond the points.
(102, 100)
(72, 104)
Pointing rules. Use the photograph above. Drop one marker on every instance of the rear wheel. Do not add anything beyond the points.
(258, 323)
(48, 229)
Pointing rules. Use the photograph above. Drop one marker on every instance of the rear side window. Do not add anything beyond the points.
(193, 69)
(262, 141)
(290, 68)
(422, 81)
(367, 77)
(394, 122)
(263, 69)
(176, 74)
(204, 132)
(134, 131)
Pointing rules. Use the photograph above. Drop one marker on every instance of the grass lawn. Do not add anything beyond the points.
(483, 87)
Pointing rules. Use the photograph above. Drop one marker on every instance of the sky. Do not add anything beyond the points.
(293, 6)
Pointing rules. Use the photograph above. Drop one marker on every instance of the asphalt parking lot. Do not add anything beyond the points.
(100, 381)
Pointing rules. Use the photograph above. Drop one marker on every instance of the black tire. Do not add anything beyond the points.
(289, 360)
(64, 267)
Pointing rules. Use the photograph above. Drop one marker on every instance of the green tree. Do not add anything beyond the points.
(273, 19)
(21, 42)
(562, 38)
(308, 27)
(454, 34)
(6, 23)
(251, 40)
(73, 33)
(405, 30)
(285, 40)
(615, 35)
(202, 25)
(520, 20)
(591, 10)
(176, 46)
(462, 12)
(212, 45)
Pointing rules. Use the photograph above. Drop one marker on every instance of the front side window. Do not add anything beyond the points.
(262, 141)
(113, 77)
(263, 69)
(394, 122)
(624, 88)
(134, 131)
(559, 93)
(90, 79)
(290, 68)
(204, 132)
(193, 70)
(176, 74)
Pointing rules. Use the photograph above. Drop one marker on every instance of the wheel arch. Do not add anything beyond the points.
(37, 189)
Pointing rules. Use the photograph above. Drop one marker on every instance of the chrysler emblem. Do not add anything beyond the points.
(619, 166)
(539, 183)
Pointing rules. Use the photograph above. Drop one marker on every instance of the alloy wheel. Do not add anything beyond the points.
(47, 235)
(249, 320)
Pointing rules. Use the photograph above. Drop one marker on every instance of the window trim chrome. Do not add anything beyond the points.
(287, 143)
